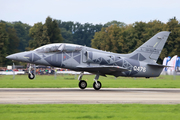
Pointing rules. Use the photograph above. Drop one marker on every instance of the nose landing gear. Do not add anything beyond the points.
(31, 75)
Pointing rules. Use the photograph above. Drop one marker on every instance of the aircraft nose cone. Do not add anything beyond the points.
(21, 56)
(12, 57)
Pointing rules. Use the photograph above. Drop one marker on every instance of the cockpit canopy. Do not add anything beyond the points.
(58, 47)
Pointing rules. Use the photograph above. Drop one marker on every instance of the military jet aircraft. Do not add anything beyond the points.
(140, 63)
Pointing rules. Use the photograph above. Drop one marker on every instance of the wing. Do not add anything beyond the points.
(102, 69)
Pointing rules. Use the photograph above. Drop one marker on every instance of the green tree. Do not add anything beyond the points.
(3, 43)
(44, 33)
(39, 33)
(98, 41)
(13, 41)
(67, 36)
(78, 33)
(114, 22)
(53, 31)
(173, 43)
(109, 39)
(129, 39)
(22, 31)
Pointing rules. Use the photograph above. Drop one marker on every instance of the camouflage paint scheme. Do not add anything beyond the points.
(140, 63)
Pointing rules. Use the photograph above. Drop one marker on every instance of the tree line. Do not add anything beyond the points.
(125, 39)
(13, 38)
(113, 36)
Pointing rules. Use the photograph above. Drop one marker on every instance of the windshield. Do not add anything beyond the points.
(58, 47)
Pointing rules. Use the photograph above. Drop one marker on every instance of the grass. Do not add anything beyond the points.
(70, 81)
(89, 112)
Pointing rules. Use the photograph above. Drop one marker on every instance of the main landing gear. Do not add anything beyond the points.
(31, 75)
(83, 83)
(96, 84)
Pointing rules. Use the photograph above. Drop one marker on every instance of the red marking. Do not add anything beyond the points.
(64, 57)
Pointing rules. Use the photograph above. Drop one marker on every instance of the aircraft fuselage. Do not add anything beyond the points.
(87, 56)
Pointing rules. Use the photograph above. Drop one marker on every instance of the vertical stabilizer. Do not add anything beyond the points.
(152, 48)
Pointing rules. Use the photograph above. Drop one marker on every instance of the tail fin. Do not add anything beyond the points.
(152, 48)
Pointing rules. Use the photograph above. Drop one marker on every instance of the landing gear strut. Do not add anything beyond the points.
(97, 84)
(82, 83)
(31, 75)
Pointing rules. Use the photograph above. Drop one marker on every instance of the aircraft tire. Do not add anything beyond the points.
(31, 76)
(97, 87)
(82, 84)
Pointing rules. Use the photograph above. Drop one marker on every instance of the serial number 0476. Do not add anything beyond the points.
(139, 69)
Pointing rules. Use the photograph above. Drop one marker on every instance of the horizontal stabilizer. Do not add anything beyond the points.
(158, 65)
(103, 68)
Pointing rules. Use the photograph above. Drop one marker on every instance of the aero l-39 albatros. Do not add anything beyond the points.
(140, 63)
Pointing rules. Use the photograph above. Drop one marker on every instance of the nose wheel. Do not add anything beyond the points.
(31, 76)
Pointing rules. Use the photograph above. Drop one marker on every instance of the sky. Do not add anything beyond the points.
(89, 11)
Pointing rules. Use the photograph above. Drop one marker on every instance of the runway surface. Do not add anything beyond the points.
(89, 96)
